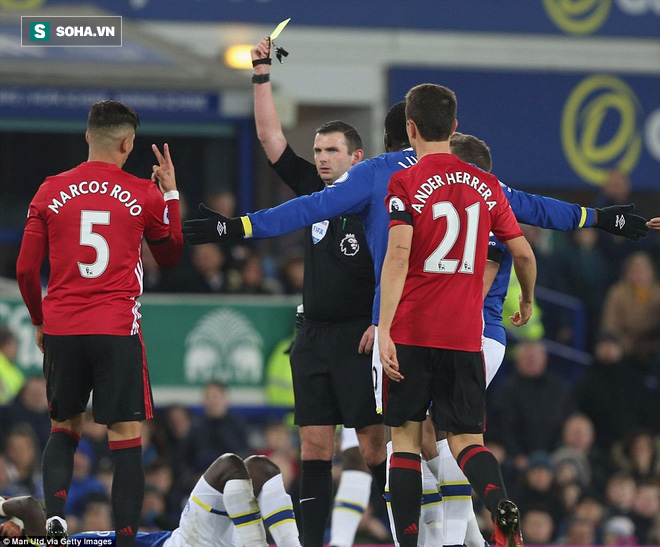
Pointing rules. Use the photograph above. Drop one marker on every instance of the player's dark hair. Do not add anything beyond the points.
(395, 126)
(470, 149)
(353, 139)
(433, 109)
(110, 114)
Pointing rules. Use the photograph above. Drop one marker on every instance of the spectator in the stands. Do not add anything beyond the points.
(632, 309)
(530, 406)
(578, 454)
(619, 531)
(646, 507)
(610, 392)
(639, 454)
(536, 488)
(23, 466)
(29, 407)
(217, 430)
(620, 494)
(537, 526)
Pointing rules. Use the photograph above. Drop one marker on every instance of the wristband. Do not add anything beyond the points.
(18, 522)
(2, 512)
(172, 194)
(260, 78)
(264, 61)
(247, 226)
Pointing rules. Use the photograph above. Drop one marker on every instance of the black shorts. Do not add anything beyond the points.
(454, 381)
(332, 382)
(113, 367)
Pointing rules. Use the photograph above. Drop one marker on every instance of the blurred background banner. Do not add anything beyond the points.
(189, 339)
(55, 103)
(596, 17)
(554, 130)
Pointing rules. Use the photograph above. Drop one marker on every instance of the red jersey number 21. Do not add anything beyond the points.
(88, 237)
(436, 261)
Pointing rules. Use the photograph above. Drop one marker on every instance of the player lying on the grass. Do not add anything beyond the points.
(228, 507)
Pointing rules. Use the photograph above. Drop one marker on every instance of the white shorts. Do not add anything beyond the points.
(204, 521)
(493, 352)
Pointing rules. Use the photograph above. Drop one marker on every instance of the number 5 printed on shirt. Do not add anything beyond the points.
(87, 237)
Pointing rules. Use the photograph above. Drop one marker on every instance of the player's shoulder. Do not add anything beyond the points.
(139, 181)
(64, 176)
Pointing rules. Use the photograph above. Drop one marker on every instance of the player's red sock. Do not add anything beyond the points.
(406, 496)
(127, 489)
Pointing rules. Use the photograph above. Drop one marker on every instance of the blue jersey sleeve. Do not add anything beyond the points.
(349, 195)
(547, 212)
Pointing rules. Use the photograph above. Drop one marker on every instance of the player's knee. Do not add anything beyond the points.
(261, 469)
(225, 468)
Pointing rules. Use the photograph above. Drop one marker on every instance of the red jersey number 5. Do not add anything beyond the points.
(88, 237)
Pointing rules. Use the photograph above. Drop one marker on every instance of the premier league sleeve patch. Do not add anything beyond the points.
(396, 205)
(398, 211)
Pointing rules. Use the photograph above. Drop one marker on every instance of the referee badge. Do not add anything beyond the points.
(319, 230)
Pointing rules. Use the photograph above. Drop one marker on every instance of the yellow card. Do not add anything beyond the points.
(279, 28)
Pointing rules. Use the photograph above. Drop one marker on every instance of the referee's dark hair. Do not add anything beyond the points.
(470, 149)
(433, 109)
(353, 139)
(111, 114)
(396, 136)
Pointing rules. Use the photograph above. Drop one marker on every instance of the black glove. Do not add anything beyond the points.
(618, 220)
(215, 227)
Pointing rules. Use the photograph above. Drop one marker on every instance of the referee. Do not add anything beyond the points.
(331, 367)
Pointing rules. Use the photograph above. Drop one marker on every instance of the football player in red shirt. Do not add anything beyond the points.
(90, 222)
(442, 211)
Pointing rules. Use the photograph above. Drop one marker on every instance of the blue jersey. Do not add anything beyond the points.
(362, 191)
(143, 539)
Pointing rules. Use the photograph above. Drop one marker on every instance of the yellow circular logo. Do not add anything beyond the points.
(578, 16)
(590, 148)
(21, 4)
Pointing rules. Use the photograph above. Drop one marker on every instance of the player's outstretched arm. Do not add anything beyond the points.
(554, 214)
(269, 129)
(524, 264)
(621, 221)
(215, 227)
